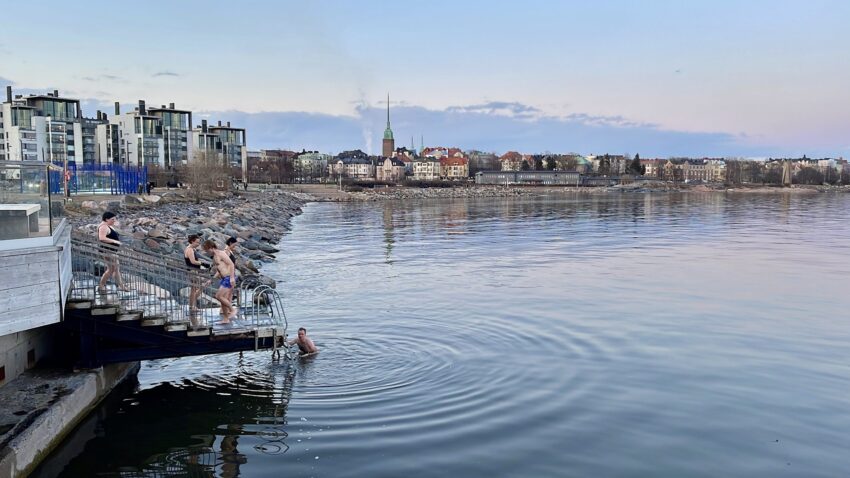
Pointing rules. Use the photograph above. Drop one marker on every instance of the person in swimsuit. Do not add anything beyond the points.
(230, 248)
(109, 242)
(305, 345)
(226, 273)
(190, 255)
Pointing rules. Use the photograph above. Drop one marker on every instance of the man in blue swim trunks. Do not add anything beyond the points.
(226, 272)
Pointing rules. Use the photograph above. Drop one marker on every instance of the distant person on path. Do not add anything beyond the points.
(226, 273)
(109, 242)
(305, 345)
(190, 255)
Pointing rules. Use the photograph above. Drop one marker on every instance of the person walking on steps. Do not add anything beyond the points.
(109, 242)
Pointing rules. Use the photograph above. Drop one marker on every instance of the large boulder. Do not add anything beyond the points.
(157, 233)
(90, 205)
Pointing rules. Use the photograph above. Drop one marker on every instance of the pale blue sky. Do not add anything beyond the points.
(753, 78)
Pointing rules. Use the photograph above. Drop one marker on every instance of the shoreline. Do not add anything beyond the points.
(330, 193)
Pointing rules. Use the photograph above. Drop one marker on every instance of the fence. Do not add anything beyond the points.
(100, 178)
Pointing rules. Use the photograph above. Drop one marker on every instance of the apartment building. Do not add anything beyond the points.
(176, 134)
(41, 128)
(455, 168)
(140, 138)
(427, 169)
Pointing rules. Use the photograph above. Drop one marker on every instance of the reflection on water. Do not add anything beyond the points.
(172, 425)
(610, 335)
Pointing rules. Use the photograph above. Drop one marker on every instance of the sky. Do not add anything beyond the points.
(659, 78)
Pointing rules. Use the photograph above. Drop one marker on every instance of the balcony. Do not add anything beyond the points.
(34, 246)
(30, 203)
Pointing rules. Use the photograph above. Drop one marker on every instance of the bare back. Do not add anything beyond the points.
(223, 264)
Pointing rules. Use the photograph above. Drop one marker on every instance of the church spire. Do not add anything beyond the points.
(388, 133)
(389, 142)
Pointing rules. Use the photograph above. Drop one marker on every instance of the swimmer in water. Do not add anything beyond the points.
(305, 345)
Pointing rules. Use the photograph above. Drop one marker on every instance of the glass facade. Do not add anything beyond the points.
(22, 117)
(64, 110)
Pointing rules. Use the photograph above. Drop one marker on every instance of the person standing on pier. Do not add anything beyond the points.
(190, 255)
(230, 248)
(226, 272)
(109, 242)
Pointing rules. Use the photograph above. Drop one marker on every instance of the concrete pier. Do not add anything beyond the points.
(41, 407)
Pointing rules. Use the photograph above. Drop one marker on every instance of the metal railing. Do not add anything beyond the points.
(161, 288)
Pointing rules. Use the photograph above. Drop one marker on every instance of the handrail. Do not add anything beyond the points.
(152, 284)
(161, 287)
(274, 307)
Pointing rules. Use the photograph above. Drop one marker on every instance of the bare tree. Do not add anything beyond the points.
(808, 176)
(205, 174)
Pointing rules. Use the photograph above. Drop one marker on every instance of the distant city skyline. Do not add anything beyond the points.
(718, 78)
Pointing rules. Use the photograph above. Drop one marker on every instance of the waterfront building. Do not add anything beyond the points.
(140, 138)
(454, 168)
(205, 141)
(177, 134)
(427, 168)
(715, 170)
(41, 127)
(310, 166)
(353, 164)
(108, 144)
(694, 170)
(672, 171)
(406, 156)
(435, 152)
(511, 161)
(654, 167)
(355, 168)
(234, 145)
(391, 170)
(550, 178)
(388, 142)
(481, 161)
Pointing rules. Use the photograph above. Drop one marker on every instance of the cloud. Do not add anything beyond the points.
(494, 126)
(499, 108)
(101, 77)
(165, 73)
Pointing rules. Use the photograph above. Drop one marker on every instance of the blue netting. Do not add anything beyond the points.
(100, 178)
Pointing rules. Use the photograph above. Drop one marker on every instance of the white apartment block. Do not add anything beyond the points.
(205, 141)
(355, 168)
(427, 169)
(41, 128)
(140, 138)
(177, 134)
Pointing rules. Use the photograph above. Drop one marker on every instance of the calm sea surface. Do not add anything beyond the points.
(610, 336)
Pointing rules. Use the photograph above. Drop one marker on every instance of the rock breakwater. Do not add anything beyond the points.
(379, 194)
(257, 220)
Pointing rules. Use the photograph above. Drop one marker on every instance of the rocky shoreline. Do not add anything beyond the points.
(323, 193)
(160, 224)
(394, 193)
